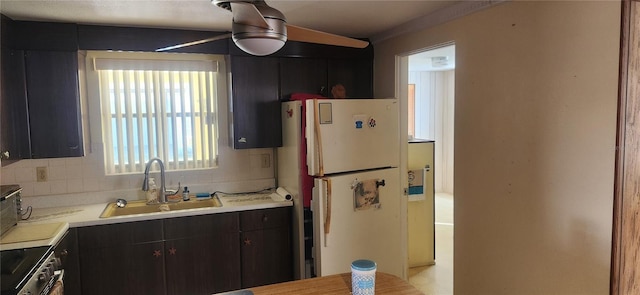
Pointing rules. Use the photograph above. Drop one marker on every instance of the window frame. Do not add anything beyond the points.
(95, 120)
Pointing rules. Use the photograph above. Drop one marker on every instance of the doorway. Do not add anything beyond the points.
(428, 77)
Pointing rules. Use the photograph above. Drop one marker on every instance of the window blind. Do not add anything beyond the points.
(169, 114)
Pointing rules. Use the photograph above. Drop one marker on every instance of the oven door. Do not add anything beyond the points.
(29, 271)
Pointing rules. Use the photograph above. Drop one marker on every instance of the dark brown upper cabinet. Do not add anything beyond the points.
(255, 107)
(14, 140)
(302, 75)
(53, 104)
(355, 74)
(40, 90)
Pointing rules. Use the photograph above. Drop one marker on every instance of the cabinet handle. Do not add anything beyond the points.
(247, 242)
(157, 253)
(172, 251)
(64, 252)
(265, 218)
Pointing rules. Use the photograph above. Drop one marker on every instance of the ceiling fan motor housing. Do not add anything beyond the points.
(273, 17)
(226, 4)
(249, 35)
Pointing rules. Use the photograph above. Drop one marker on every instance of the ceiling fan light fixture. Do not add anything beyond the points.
(257, 40)
(259, 46)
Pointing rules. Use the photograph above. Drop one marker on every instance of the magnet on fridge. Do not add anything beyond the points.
(359, 121)
(372, 122)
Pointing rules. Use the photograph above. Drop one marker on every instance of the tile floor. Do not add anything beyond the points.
(438, 279)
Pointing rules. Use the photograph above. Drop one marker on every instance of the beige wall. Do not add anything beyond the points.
(535, 114)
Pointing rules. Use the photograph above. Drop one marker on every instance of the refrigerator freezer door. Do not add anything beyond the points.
(351, 134)
(350, 223)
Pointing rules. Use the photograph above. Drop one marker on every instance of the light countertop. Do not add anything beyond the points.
(89, 215)
(28, 235)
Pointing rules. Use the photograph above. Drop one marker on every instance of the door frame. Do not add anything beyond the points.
(625, 248)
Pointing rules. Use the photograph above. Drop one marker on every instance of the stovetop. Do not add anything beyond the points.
(18, 265)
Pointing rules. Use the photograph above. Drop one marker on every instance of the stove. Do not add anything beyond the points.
(28, 271)
(25, 269)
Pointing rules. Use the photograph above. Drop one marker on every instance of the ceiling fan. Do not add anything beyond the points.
(260, 29)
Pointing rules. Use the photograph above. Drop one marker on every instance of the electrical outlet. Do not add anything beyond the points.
(41, 174)
(265, 161)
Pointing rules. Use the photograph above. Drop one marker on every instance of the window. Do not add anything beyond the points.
(158, 108)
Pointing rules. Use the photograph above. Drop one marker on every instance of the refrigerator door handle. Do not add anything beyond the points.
(327, 216)
(318, 137)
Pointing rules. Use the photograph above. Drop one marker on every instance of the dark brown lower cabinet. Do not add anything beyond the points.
(67, 251)
(125, 258)
(202, 254)
(266, 246)
(192, 255)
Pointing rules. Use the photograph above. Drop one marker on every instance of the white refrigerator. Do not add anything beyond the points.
(351, 149)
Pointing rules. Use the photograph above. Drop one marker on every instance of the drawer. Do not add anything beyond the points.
(129, 233)
(265, 218)
(194, 226)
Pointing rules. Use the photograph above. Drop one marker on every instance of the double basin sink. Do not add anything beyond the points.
(141, 207)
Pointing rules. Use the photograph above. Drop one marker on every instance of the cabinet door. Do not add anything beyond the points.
(14, 143)
(266, 257)
(355, 74)
(130, 269)
(203, 265)
(306, 75)
(255, 103)
(67, 251)
(266, 246)
(202, 255)
(124, 258)
(54, 104)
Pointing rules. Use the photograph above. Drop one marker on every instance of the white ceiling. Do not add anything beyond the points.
(354, 18)
(445, 59)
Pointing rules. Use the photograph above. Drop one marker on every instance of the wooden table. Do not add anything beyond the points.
(337, 284)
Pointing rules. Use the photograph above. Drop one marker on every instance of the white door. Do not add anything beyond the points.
(351, 134)
(356, 219)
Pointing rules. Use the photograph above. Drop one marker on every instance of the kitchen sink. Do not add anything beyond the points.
(141, 207)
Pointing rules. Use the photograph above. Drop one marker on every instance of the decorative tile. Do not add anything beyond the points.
(25, 174)
(75, 186)
(58, 187)
(41, 188)
(7, 176)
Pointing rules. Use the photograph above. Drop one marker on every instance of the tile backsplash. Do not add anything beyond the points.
(67, 176)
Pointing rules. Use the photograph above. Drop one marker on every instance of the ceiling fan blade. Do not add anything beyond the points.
(248, 14)
(219, 37)
(301, 34)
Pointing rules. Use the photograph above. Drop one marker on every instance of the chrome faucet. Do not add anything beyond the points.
(162, 198)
